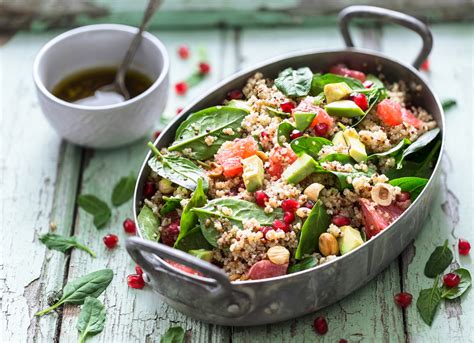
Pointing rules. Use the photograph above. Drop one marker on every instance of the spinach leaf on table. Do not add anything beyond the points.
(170, 204)
(173, 335)
(91, 319)
(77, 290)
(317, 223)
(412, 185)
(63, 244)
(448, 104)
(428, 302)
(123, 190)
(306, 263)
(177, 169)
(420, 143)
(439, 260)
(193, 240)
(320, 80)
(455, 292)
(98, 208)
(294, 82)
(208, 122)
(148, 223)
(284, 130)
(309, 145)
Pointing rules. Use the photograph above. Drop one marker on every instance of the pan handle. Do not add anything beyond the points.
(351, 12)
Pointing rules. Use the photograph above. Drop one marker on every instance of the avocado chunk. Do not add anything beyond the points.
(350, 239)
(356, 147)
(344, 108)
(338, 139)
(336, 91)
(203, 254)
(253, 173)
(303, 120)
(240, 104)
(300, 169)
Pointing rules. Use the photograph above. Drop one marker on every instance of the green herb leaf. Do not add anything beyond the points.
(63, 244)
(294, 82)
(123, 190)
(456, 292)
(170, 204)
(448, 104)
(77, 290)
(393, 151)
(148, 223)
(317, 223)
(420, 143)
(413, 185)
(93, 205)
(374, 96)
(320, 80)
(428, 303)
(439, 260)
(91, 319)
(209, 122)
(284, 130)
(342, 177)
(193, 240)
(173, 335)
(277, 113)
(377, 83)
(309, 145)
(203, 254)
(343, 158)
(306, 263)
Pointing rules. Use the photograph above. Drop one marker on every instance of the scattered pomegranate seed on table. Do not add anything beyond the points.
(280, 225)
(425, 66)
(235, 94)
(139, 270)
(129, 226)
(360, 100)
(451, 280)
(204, 68)
(320, 325)
(339, 220)
(289, 217)
(149, 189)
(289, 205)
(110, 241)
(464, 247)
(321, 129)
(287, 106)
(181, 88)
(403, 299)
(342, 340)
(183, 51)
(295, 134)
(135, 281)
(261, 198)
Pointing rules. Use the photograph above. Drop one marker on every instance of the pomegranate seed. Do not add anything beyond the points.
(264, 134)
(368, 84)
(129, 226)
(110, 240)
(287, 106)
(179, 110)
(342, 340)
(265, 229)
(204, 68)
(360, 100)
(451, 280)
(295, 134)
(288, 217)
(235, 94)
(280, 225)
(289, 205)
(321, 129)
(183, 51)
(320, 325)
(261, 198)
(464, 247)
(403, 299)
(339, 220)
(309, 204)
(156, 134)
(181, 88)
(149, 189)
(425, 66)
(135, 281)
(403, 196)
(169, 233)
(139, 270)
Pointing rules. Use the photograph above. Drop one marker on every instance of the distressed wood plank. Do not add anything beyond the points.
(452, 215)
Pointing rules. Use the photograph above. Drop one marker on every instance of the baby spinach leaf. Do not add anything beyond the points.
(428, 303)
(208, 122)
(173, 335)
(413, 185)
(203, 254)
(294, 82)
(148, 223)
(456, 292)
(284, 130)
(342, 177)
(374, 96)
(320, 80)
(123, 190)
(317, 223)
(91, 319)
(420, 143)
(343, 158)
(306, 263)
(448, 104)
(194, 239)
(170, 204)
(177, 169)
(77, 290)
(277, 113)
(60, 243)
(439, 260)
(190, 219)
(309, 145)
(93, 205)
(377, 83)
(393, 151)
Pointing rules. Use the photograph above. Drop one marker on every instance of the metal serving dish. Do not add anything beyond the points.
(217, 300)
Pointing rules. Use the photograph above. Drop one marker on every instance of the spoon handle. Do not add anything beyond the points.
(132, 49)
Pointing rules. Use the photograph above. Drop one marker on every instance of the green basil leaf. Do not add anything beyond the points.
(211, 121)
(343, 158)
(456, 292)
(428, 303)
(413, 185)
(448, 104)
(309, 145)
(63, 244)
(377, 83)
(203, 254)
(374, 96)
(306, 263)
(148, 223)
(393, 151)
(77, 290)
(193, 240)
(277, 113)
(284, 130)
(294, 82)
(320, 80)
(170, 204)
(91, 319)
(123, 190)
(317, 223)
(173, 335)
(420, 143)
(93, 205)
(439, 260)
(342, 177)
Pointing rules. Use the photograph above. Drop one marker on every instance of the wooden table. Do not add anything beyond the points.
(43, 175)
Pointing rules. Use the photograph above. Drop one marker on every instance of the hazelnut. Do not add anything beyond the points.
(312, 191)
(328, 244)
(382, 194)
(278, 255)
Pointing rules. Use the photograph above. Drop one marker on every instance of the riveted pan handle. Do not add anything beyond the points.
(351, 12)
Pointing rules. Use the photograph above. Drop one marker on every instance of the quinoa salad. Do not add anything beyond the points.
(289, 173)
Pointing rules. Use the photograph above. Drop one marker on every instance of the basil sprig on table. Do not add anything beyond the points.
(63, 244)
(123, 190)
(294, 82)
(91, 319)
(148, 223)
(77, 290)
(428, 302)
(438, 261)
(98, 208)
(448, 104)
(456, 292)
(192, 132)
(173, 335)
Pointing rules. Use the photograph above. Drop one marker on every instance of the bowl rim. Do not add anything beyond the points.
(100, 27)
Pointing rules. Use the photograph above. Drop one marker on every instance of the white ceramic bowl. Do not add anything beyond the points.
(98, 46)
